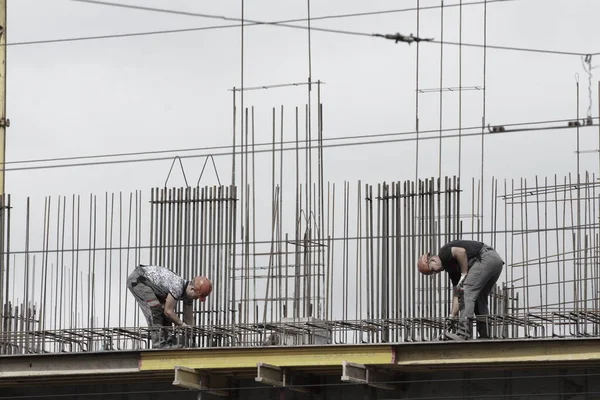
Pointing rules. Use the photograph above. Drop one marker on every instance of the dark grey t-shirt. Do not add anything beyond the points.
(450, 263)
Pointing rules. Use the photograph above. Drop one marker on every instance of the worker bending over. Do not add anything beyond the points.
(157, 291)
(474, 268)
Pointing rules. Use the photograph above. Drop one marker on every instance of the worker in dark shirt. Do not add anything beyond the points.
(474, 268)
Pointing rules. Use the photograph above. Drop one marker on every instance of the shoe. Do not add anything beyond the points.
(454, 336)
(170, 346)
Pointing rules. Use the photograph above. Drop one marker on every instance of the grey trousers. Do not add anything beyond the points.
(152, 309)
(477, 286)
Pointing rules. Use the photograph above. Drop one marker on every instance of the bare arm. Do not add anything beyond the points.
(170, 305)
(455, 306)
(461, 257)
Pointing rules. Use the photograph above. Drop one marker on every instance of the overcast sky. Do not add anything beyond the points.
(172, 91)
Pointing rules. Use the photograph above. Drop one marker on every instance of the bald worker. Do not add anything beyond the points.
(157, 290)
(474, 268)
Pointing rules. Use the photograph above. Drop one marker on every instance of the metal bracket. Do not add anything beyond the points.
(4, 122)
(189, 378)
(276, 376)
(359, 373)
(270, 375)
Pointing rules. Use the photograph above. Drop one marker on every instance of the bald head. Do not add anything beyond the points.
(199, 288)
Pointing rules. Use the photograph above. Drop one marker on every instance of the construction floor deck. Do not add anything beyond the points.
(146, 365)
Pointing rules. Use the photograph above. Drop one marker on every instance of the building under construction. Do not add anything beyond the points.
(316, 292)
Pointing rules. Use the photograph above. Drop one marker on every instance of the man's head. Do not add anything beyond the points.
(199, 288)
(429, 264)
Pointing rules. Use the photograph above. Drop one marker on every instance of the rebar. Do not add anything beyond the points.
(288, 282)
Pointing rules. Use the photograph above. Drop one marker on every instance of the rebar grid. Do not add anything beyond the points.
(305, 332)
(357, 286)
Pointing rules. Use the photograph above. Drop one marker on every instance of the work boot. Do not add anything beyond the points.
(454, 336)
(170, 346)
(465, 335)
(158, 340)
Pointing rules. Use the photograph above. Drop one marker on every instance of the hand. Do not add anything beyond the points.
(451, 322)
(185, 329)
(461, 281)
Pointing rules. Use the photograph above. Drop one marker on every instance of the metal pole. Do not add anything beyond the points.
(483, 118)
(460, 18)
(577, 253)
(441, 87)
(417, 99)
(3, 126)
(4, 122)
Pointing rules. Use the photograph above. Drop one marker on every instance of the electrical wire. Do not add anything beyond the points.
(183, 30)
(333, 239)
(324, 17)
(247, 22)
(349, 137)
(118, 35)
(511, 48)
(284, 23)
(256, 151)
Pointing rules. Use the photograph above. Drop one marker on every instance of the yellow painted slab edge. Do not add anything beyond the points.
(498, 353)
(316, 356)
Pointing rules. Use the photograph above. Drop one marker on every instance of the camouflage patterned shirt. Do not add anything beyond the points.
(164, 281)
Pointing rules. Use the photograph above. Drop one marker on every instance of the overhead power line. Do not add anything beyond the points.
(283, 23)
(529, 50)
(319, 18)
(247, 22)
(117, 35)
(517, 127)
(224, 147)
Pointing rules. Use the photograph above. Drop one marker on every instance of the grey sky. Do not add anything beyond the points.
(171, 91)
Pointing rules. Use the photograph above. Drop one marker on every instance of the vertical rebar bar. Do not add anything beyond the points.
(483, 117)
(441, 105)
(417, 95)
(3, 272)
(254, 219)
(460, 25)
